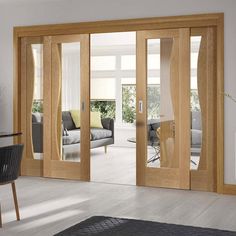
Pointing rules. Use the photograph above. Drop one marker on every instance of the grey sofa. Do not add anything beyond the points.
(71, 135)
(99, 136)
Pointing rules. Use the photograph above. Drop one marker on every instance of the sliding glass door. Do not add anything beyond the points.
(55, 106)
(66, 108)
(175, 124)
(163, 142)
(32, 105)
(203, 109)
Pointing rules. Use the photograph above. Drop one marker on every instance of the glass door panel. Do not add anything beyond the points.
(203, 109)
(196, 121)
(163, 108)
(32, 105)
(68, 73)
(69, 115)
(37, 105)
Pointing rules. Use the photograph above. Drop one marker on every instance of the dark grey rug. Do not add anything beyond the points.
(109, 226)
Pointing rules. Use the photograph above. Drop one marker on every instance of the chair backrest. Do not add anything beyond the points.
(10, 159)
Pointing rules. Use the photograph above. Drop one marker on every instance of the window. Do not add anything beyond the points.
(103, 89)
(153, 98)
(129, 102)
(103, 63)
(128, 62)
(106, 108)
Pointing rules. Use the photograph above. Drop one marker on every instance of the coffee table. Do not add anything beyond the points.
(154, 145)
(9, 134)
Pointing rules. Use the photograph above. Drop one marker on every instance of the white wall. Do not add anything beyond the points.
(33, 12)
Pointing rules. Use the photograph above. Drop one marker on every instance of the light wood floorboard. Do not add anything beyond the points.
(48, 206)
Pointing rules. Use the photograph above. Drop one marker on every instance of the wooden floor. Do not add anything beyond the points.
(117, 166)
(48, 206)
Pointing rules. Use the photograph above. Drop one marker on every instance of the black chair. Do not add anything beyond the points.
(10, 159)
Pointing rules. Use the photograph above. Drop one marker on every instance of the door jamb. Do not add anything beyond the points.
(190, 21)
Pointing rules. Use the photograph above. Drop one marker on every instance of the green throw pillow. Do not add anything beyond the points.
(75, 114)
(95, 119)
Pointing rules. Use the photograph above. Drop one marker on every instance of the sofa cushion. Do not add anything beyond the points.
(99, 133)
(95, 119)
(75, 114)
(72, 137)
(67, 120)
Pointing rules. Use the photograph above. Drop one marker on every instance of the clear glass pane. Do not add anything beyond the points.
(196, 124)
(37, 104)
(194, 58)
(153, 60)
(70, 101)
(99, 63)
(101, 92)
(160, 107)
(128, 62)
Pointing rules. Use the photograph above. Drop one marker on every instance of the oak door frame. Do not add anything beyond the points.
(155, 23)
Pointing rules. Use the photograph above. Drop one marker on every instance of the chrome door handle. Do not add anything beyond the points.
(140, 106)
(173, 127)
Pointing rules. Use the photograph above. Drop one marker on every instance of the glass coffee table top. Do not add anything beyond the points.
(9, 134)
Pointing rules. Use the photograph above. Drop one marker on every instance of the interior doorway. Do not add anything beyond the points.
(174, 144)
(113, 99)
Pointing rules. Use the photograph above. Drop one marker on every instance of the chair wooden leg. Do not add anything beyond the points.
(15, 200)
(105, 147)
(0, 217)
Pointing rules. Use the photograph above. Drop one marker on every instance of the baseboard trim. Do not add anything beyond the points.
(229, 189)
